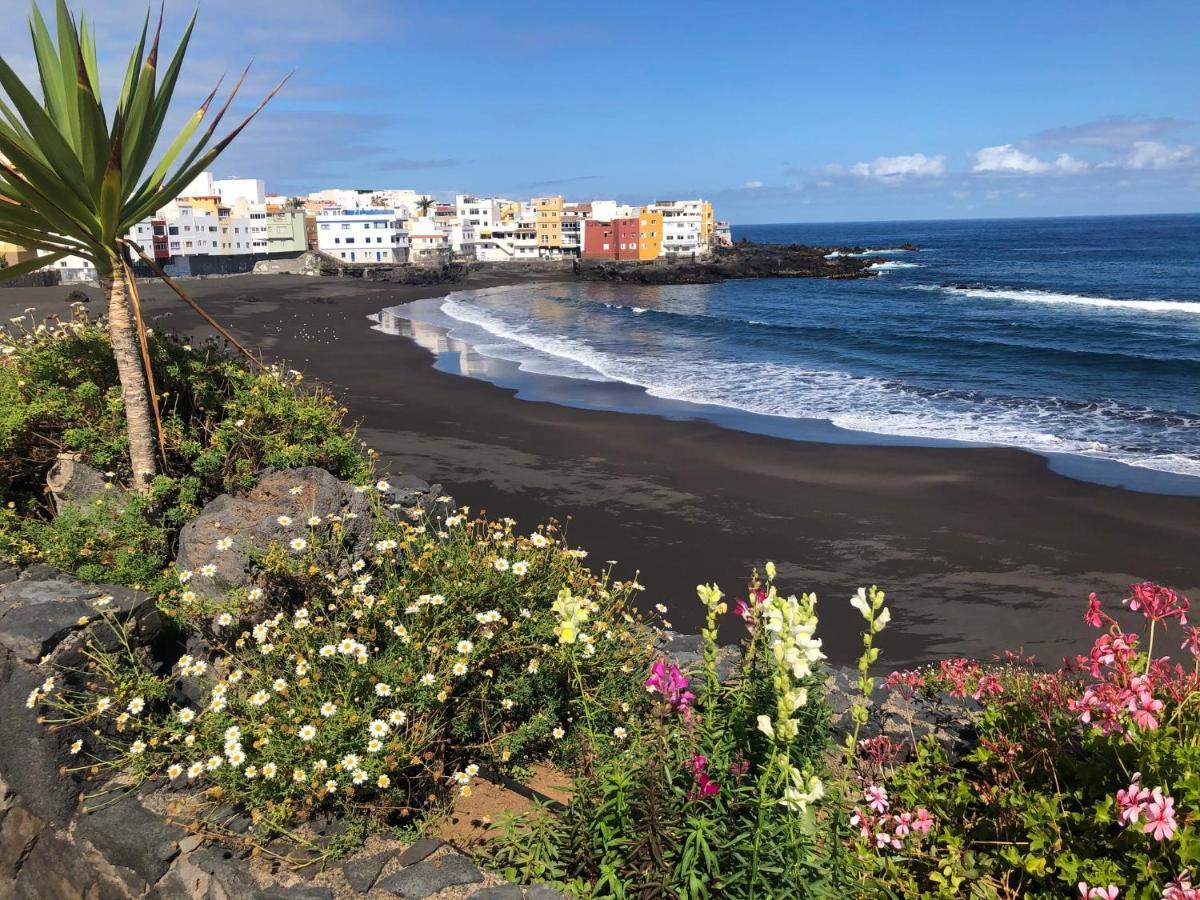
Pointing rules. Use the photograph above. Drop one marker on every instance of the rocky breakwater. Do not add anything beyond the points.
(743, 260)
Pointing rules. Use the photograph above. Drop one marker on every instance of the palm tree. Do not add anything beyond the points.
(425, 204)
(73, 182)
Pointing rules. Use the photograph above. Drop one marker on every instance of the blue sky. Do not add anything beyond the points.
(778, 111)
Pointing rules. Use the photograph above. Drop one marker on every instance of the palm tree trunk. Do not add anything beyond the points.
(122, 332)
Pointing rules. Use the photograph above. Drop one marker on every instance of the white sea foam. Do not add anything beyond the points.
(885, 251)
(1100, 431)
(893, 264)
(1034, 296)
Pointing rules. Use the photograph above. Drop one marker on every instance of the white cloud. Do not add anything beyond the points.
(1153, 155)
(1005, 158)
(894, 168)
(751, 185)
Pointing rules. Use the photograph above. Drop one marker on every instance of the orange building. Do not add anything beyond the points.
(650, 233)
(549, 222)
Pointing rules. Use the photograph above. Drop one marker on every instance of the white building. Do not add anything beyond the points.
(72, 268)
(507, 241)
(683, 226)
(429, 241)
(482, 212)
(191, 231)
(363, 235)
(463, 236)
(251, 190)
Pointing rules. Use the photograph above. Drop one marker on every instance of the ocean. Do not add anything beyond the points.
(1078, 339)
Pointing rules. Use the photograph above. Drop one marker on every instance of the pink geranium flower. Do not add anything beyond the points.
(1131, 801)
(1098, 893)
(1158, 603)
(876, 798)
(1160, 816)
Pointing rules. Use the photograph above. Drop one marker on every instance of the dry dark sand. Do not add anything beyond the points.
(980, 550)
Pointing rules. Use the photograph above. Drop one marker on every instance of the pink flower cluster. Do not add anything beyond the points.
(884, 827)
(1158, 809)
(1157, 603)
(670, 683)
(1098, 893)
(705, 786)
(961, 677)
(1181, 888)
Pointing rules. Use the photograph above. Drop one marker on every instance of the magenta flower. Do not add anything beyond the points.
(670, 683)
(1160, 816)
(705, 786)
(1094, 617)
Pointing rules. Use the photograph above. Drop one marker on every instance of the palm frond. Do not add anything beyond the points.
(74, 174)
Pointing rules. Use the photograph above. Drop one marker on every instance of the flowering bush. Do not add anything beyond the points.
(1082, 781)
(370, 683)
(715, 793)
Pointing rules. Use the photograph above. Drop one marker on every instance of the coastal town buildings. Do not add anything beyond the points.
(367, 235)
(390, 226)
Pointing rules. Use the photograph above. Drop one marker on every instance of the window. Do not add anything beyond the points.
(324, 226)
(337, 240)
(606, 246)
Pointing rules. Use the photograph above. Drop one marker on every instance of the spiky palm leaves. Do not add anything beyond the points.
(74, 181)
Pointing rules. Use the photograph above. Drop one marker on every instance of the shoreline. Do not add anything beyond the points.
(980, 549)
(420, 321)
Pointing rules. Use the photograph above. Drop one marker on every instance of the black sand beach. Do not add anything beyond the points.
(980, 550)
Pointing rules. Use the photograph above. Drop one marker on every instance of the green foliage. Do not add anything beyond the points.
(223, 423)
(703, 798)
(368, 685)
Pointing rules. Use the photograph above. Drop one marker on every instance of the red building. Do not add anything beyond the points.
(159, 231)
(617, 239)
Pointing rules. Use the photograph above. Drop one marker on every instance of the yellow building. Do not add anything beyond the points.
(650, 233)
(510, 212)
(549, 222)
(708, 222)
(15, 253)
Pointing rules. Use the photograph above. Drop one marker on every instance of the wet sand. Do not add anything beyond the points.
(980, 550)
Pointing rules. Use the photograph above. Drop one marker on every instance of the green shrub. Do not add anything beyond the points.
(223, 422)
(370, 684)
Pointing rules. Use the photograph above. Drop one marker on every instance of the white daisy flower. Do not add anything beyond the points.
(328, 709)
(307, 732)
